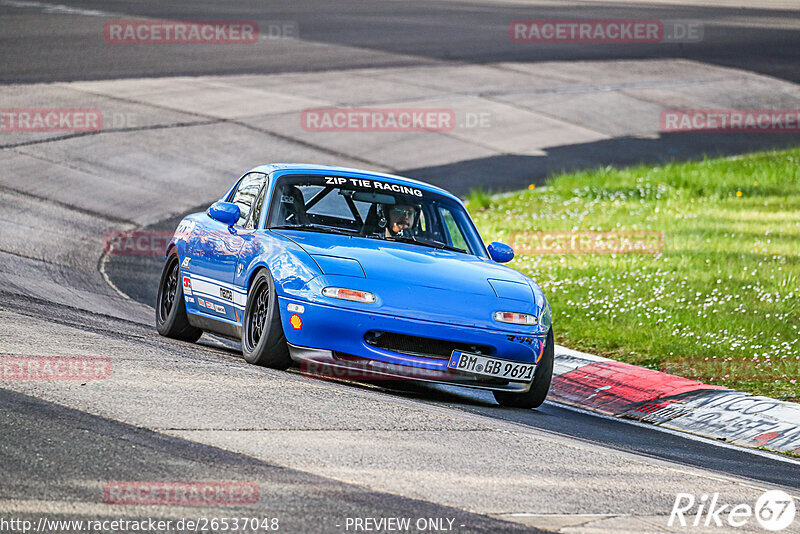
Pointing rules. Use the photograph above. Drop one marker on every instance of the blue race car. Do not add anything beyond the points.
(357, 274)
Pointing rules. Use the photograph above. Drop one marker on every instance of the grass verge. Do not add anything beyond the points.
(718, 304)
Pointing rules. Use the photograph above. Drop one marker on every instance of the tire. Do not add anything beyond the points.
(540, 385)
(171, 319)
(263, 341)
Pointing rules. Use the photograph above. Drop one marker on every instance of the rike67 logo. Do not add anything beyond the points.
(774, 511)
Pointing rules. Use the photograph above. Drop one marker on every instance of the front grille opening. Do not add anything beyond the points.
(422, 346)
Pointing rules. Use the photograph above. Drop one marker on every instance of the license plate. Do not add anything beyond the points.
(482, 365)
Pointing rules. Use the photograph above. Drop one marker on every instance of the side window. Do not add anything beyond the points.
(258, 208)
(246, 193)
(456, 237)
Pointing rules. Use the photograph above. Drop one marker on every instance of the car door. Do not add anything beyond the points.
(215, 255)
(249, 248)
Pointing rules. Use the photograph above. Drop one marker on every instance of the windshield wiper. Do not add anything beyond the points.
(425, 242)
(313, 228)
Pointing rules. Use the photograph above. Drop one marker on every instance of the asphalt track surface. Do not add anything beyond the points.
(319, 451)
(353, 33)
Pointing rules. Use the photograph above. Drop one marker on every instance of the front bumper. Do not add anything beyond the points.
(331, 342)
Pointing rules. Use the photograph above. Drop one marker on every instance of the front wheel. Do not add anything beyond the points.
(263, 341)
(171, 319)
(542, 376)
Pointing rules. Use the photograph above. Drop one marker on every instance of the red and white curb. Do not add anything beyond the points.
(629, 391)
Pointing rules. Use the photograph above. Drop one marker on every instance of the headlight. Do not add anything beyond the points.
(545, 319)
(515, 318)
(349, 294)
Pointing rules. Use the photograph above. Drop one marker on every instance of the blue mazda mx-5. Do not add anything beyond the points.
(357, 274)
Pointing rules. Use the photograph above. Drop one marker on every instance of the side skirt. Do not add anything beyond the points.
(222, 328)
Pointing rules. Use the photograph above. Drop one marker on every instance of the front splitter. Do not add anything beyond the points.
(326, 364)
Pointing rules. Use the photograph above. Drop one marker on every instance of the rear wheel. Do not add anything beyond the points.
(542, 376)
(263, 342)
(171, 319)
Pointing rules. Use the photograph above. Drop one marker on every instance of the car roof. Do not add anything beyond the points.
(346, 171)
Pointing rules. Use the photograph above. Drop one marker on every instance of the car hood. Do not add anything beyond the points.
(416, 267)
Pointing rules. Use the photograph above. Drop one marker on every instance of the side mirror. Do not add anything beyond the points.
(225, 212)
(500, 252)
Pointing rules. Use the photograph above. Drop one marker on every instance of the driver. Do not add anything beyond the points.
(401, 216)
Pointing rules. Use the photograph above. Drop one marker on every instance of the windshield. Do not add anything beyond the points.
(373, 209)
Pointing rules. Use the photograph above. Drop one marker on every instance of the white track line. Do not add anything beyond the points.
(55, 9)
